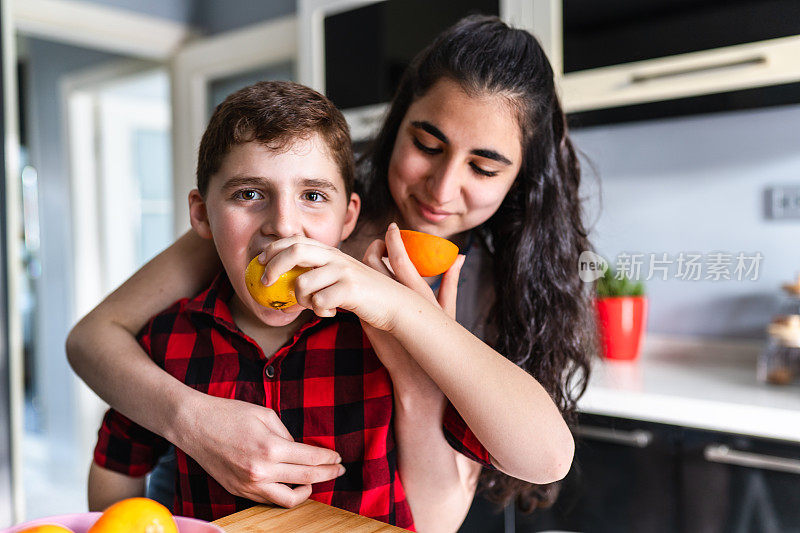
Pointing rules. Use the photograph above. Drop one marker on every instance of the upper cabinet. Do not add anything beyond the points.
(614, 60)
(626, 60)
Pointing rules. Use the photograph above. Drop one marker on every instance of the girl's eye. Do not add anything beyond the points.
(314, 196)
(482, 172)
(426, 149)
(248, 195)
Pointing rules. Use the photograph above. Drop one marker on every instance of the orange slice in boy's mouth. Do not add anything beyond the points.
(279, 295)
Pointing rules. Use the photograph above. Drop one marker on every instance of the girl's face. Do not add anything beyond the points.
(455, 158)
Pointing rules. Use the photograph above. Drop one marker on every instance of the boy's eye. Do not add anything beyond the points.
(426, 149)
(248, 195)
(314, 196)
(481, 171)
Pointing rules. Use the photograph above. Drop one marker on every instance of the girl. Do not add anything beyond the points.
(475, 149)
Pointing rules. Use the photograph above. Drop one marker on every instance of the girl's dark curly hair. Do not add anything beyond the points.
(541, 316)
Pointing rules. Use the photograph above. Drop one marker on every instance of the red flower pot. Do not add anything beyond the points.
(621, 322)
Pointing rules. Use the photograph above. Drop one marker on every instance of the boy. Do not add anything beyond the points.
(274, 162)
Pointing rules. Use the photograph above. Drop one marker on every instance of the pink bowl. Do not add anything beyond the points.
(81, 522)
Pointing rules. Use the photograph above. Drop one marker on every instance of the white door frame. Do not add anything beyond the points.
(84, 185)
(14, 266)
(194, 67)
(77, 23)
(90, 279)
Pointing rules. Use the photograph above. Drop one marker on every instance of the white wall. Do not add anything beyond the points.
(697, 184)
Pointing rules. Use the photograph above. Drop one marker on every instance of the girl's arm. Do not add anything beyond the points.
(439, 482)
(506, 408)
(509, 412)
(102, 347)
(238, 443)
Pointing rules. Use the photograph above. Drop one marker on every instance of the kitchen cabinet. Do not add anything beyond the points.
(638, 476)
(614, 61)
(624, 478)
(621, 60)
(734, 483)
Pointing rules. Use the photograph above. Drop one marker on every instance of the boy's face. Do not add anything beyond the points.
(259, 196)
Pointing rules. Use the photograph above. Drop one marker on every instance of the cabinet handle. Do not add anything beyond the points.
(643, 77)
(637, 438)
(720, 453)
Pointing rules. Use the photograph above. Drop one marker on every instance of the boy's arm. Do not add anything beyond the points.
(124, 453)
(107, 487)
(439, 482)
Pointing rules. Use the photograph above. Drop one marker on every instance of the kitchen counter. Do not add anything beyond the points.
(707, 384)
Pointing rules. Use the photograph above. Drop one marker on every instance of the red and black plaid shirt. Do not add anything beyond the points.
(325, 383)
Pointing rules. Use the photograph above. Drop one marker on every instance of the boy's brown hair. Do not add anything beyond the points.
(276, 114)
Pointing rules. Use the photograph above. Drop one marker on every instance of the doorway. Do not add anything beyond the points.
(102, 116)
(96, 199)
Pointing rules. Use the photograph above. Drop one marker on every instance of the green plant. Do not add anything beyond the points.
(611, 285)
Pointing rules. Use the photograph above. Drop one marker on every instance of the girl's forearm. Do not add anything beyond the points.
(507, 409)
(439, 483)
(102, 347)
(108, 358)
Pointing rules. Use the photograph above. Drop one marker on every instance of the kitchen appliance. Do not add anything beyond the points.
(354, 51)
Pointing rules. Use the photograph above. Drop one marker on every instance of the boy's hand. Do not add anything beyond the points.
(335, 280)
(249, 451)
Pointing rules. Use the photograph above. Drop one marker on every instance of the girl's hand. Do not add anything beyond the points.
(407, 377)
(335, 280)
(404, 271)
(249, 451)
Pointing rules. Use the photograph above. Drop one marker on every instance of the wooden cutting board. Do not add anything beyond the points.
(310, 517)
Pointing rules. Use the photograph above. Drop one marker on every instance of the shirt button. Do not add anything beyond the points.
(270, 371)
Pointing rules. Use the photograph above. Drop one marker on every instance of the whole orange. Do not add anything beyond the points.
(135, 515)
(279, 295)
(430, 254)
(47, 528)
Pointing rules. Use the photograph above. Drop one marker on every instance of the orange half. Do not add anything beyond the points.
(431, 255)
